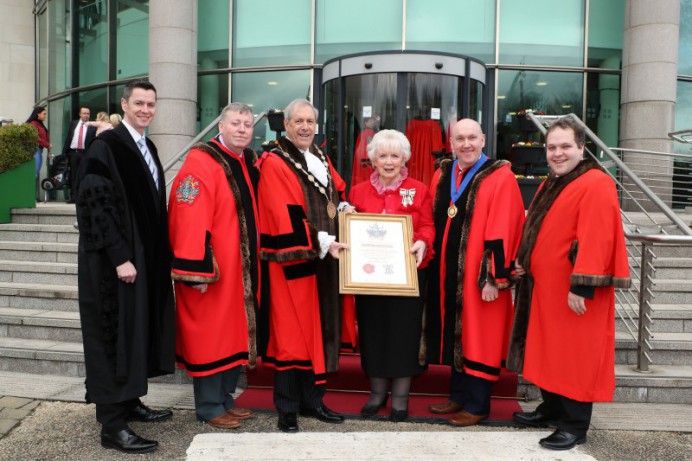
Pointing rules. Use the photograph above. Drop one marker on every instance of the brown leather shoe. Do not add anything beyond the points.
(445, 408)
(464, 418)
(240, 413)
(225, 421)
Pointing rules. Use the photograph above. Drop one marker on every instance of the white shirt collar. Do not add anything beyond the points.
(220, 139)
(135, 135)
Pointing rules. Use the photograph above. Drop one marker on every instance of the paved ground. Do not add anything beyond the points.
(46, 422)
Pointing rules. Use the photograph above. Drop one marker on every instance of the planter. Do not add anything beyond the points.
(17, 189)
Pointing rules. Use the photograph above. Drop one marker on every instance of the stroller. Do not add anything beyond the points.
(58, 175)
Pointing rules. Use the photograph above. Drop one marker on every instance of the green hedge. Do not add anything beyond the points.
(18, 144)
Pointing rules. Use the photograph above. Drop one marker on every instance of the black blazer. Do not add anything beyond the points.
(90, 136)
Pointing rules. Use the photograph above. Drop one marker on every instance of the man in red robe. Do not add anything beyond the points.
(362, 169)
(299, 192)
(214, 235)
(572, 256)
(478, 213)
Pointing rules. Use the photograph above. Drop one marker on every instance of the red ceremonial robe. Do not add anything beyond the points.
(211, 243)
(304, 305)
(425, 137)
(362, 169)
(478, 244)
(580, 242)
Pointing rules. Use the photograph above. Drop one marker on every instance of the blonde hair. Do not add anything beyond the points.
(115, 119)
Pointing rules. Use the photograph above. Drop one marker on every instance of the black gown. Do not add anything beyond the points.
(128, 329)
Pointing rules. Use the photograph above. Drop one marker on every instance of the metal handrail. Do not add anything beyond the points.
(653, 152)
(177, 157)
(681, 136)
(670, 214)
(660, 238)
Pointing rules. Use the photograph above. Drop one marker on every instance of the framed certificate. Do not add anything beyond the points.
(378, 260)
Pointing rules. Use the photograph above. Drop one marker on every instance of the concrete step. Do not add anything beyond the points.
(39, 233)
(48, 273)
(40, 324)
(45, 214)
(662, 384)
(39, 251)
(38, 296)
(668, 349)
(41, 356)
(668, 318)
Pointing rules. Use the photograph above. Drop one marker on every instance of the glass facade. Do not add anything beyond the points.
(543, 55)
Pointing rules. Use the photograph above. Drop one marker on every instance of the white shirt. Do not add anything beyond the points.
(74, 144)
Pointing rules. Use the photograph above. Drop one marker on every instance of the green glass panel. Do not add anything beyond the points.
(606, 25)
(542, 32)
(212, 94)
(60, 48)
(269, 90)
(683, 115)
(92, 40)
(685, 44)
(454, 26)
(552, 93)
(212, 34)
(269, 33)
(96, 100)
(42, 51)
(132, 38)
(356, 26)
(603, 106)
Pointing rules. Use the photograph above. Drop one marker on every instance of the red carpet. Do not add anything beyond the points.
(347, 392)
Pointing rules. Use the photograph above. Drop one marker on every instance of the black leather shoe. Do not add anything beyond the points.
(368, 411)
(398, 416)
(127, 441)
(288, 422)
(533, 418)
(561, 440)
(145, 414)
(324, 414)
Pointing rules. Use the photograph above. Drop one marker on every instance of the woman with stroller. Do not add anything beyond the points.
(36, 119)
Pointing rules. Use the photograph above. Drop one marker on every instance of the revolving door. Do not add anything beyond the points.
(419, 94)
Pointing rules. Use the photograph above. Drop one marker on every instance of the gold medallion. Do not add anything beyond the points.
(331, 210)
(452, 211)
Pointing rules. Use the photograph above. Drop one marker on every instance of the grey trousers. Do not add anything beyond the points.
(214, 393)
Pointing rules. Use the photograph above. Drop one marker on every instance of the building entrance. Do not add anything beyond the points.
(419, 94)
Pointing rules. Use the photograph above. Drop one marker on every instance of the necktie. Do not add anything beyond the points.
(80, 142)
(460, 176)
(149, 159)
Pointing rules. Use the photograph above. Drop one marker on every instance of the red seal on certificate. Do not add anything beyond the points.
(368, 268)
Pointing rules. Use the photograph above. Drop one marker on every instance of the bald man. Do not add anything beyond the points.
(478, 213)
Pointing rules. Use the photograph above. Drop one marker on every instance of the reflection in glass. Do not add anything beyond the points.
(42, 52)
(212, 94)
(96, 100)
(551, 93)
(269, 90)
(92, 39)
(60, 48)
(606, 25)
(356, 26)
(685, 41)
(271, 33)
(683, 114)
(212, 34)
(542, 32)
(454, 26)
(132, 37)
(603, 106)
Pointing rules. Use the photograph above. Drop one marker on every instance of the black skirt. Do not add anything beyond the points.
(389, 332)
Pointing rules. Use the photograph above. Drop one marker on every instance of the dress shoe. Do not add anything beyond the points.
(398, 416)
(445, 408)
(533, 418)
(145, 414)
(324, 414)
(240, 413)
(288, 422)
(127, 441)
(370, 410)
(464, 419)
(562, 440)
(225, 421)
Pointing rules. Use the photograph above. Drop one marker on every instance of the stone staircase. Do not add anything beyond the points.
(40, 331)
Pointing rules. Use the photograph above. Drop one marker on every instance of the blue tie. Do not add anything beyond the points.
(149, 159)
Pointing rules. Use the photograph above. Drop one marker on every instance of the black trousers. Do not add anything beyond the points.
(113, 416)
(471, 392)
(295, 390)
(571, 415)
(75, 157)
(214, 393)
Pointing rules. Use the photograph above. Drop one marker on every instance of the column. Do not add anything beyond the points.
(649, 81)
(173, 70)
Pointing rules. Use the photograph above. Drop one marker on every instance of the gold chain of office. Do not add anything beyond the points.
(331, 208)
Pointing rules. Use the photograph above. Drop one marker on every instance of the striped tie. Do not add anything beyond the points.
(149, 159)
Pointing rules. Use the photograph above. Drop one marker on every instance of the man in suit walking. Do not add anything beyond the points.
(125, 290)
(78, 139)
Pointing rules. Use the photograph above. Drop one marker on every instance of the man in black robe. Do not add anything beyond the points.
(125, 291)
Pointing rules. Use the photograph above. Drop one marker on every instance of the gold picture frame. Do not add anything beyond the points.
(378, 260)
